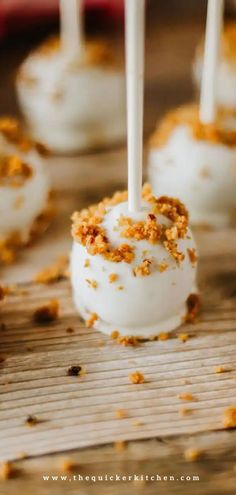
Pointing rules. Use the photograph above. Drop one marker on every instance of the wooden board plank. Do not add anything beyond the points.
(215, 468)
(80, 412)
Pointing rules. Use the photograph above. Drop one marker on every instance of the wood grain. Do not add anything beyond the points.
(81, 411)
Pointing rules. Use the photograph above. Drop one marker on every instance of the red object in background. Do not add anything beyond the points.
(17, 15)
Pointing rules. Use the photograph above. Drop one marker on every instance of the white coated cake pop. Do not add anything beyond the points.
(197, 163)
(133, 273)
(226, 70)
(24, 188)
(72, 103)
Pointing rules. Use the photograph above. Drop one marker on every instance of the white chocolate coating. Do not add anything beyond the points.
(226, 81)
(20, 206)
(147, 305)
(200, 173)
(71, 107)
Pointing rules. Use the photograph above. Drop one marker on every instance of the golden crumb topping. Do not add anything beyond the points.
(143, 269)
(192, 254)
(13, 132)
(14, 171)
(228, 43)
(188, 115)
(229, 417)
(87, 229)
(95, 52)
(136, 377)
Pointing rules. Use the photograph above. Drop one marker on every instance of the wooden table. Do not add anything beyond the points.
(77, 416)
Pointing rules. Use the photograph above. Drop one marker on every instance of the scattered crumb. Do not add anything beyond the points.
(115, 334)
(136, 377)
(184, 411)
(125, 340)
(192, 455)
(70, 330)
(86, 263)
(229, 417)
(91, 283)
(186, 396)
(120, 445)
(91, 320)
(74, 370)
(2, 293)
(47, 313)
(183, 337)
(120, 287)
(6, 470)
(31, 420)
(53, 273)
(193, 307)
(113, 278)
(163, 336)
(121, 413)
(220, 369)
(68, 465)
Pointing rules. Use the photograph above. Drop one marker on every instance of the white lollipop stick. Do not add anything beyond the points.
(72, 29)
(135, 20)
(211, 53)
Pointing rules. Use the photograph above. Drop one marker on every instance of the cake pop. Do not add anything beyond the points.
(133, 261)
(24, 188)
(71, 91)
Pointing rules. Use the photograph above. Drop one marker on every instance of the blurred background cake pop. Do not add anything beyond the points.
(24, 189)
(192, 153)
(71, 90)
(226, 72)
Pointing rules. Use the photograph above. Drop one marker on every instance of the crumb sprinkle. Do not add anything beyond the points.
(136, 378)
(229, 417)
(74, 370)
(192, 454)
(91, 320)
(47, 313)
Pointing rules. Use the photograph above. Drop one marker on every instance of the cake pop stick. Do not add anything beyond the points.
(71, 19)
(211, 54)
(135, 14)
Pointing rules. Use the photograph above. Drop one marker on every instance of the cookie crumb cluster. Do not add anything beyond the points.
(87, 229)
(136, 377)
(14, 171)
(12, 131)
(96, 52)
(188, 115)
